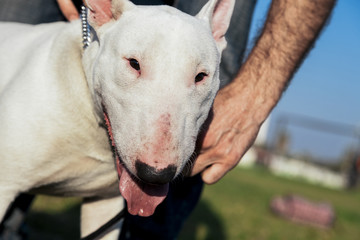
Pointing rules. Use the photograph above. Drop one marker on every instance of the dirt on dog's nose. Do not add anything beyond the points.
(151, 175)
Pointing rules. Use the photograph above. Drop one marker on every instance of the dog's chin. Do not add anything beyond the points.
(142, 198)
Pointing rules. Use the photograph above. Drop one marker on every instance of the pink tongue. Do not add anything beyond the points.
(141, 198)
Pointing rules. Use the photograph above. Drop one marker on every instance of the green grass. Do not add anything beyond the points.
(235, 208)
(238, 208)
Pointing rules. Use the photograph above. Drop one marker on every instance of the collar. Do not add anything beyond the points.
(86, 36)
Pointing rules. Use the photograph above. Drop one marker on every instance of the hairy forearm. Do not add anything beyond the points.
(291, 28)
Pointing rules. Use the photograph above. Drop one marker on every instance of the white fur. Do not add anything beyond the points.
(52, 137)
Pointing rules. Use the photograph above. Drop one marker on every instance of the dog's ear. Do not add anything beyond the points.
(103, 11)
(218, 13)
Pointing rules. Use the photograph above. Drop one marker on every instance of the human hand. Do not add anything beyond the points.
(241, 107)
(69, 10)
(235, 123)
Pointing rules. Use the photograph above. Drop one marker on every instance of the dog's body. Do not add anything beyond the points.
(70, 136)
(56, 100)
(58, 150)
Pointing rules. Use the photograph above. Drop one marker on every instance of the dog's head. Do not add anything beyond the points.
(155, 73)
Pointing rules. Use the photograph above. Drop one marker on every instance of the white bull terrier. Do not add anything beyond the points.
(147, 81)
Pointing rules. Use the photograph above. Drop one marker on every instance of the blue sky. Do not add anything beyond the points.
(327, 86)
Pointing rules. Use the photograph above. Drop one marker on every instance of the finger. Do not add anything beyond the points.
(201, 163)
(218, 165)
(214, 173)
(69, 10)
(219, 154)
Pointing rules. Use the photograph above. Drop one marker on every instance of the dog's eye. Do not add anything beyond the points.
(134, 64)
(200, 77)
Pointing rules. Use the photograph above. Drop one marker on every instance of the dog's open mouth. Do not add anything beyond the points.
(142, 198)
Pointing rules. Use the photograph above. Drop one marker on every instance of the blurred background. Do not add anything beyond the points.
(308, 148)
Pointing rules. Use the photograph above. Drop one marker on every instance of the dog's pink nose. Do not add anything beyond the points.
(151, 175)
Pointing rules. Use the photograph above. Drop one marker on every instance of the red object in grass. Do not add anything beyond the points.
(301, 210)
